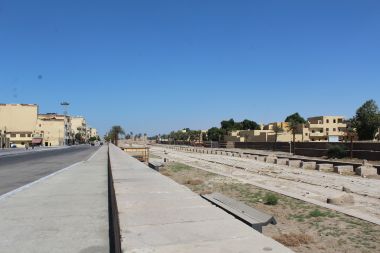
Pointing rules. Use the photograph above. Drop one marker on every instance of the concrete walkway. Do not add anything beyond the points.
(66, 212)
(158, 215)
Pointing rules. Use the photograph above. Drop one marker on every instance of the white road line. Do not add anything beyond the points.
(8, 194)
(89, 159)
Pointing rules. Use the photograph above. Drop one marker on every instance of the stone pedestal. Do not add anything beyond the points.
(309, 165)
(366, 170)
(281, 161)
(326, 167)
(344, 169)
(270, 159)
(294, 163)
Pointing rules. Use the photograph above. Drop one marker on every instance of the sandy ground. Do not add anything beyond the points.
(308, 185)
(301, 226)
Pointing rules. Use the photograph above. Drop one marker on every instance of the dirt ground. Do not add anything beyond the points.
(302, 226)
(313, 186)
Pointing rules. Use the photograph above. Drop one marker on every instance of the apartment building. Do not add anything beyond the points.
(53, 130)
(93, 132)
(18, 123)
(321, 128)
(326, 128)
(79, 126)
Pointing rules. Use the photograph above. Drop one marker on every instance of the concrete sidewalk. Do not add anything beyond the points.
(158, 215)
(66, 212)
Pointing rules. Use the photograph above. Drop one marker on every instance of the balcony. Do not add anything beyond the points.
(317, 134)
(316, 126)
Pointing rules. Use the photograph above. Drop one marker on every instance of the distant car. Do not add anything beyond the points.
(92, 143)
(13, 146)
(101, 143)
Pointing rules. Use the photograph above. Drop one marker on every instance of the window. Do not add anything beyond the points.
(22, 135)
(334, 129)
(29, 135)
(334, 120)
(306, 134)
(22, 143)
(13, 135)
(327, 129)
(327, 121)
(321, 131)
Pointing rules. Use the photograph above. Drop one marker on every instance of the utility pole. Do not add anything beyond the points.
(65, 105)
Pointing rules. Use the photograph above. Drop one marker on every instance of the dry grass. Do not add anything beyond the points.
(293, 239)
(165, 173)
(193, 181)
(327, 231)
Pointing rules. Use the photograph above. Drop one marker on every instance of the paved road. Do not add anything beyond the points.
(18, 170)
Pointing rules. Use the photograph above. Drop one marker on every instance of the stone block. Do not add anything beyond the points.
(261, 158)
(341, 200)
(294, 163)
(270, 159)
(344, 169)
(254, 157)
(327, 167)
(281, 161)
(366, 170)
(309, 165)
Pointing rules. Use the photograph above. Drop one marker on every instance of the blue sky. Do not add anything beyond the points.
(154, 66)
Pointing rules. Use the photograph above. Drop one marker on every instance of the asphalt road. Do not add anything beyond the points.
(19, 170)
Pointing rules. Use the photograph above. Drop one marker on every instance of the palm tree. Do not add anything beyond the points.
(276, 129)
(293, 127)
(115, 133)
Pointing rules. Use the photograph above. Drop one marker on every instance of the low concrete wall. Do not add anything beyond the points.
(361, 150)
(157, 214)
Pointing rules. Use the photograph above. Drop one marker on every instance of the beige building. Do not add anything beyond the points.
(326, 128)
(18, 122)
(79, 125)
(93, 132)
(321, 128)
(53, 130)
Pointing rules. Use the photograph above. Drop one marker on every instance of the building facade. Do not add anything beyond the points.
(18, 123)
(327, 128)
(321, 128)
(79, 127)
(53, 130)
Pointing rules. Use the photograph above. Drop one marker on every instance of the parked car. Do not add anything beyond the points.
(13, 146)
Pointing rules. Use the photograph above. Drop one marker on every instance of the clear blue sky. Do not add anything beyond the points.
(158, 65)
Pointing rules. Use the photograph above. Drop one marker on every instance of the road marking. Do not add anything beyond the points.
(8, 194)
(89, 159)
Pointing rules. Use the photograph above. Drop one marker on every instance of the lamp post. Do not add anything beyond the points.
(65, 105)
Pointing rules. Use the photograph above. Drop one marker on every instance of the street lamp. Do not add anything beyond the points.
(65, 105)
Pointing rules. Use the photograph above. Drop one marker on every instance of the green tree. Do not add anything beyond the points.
(295, 120)
(115, 133)
(228, 125)
(215, 134)
(78, 137)
(249, 125)
(295, 117)
(367, 120)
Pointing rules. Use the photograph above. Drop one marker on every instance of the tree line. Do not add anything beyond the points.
(365, 123)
